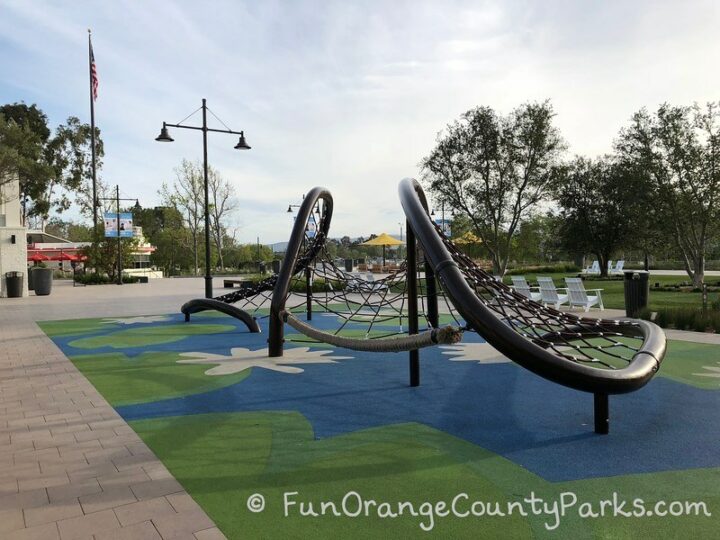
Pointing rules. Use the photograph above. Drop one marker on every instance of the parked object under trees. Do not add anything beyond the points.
(495, 170)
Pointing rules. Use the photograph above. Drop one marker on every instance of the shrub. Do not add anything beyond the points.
(685, 318)
(91, 278)
(547, 269)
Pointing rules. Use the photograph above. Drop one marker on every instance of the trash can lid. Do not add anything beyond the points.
(640, 273)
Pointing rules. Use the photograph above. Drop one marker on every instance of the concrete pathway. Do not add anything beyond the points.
(70, 467)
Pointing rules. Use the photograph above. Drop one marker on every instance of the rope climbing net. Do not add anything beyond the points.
(601, 343)
(373, 311)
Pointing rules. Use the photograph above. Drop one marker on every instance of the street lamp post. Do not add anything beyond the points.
(241, 145)
(117, 200)
(401, 239)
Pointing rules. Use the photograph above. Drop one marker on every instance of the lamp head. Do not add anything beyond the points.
(164, 135)
(242, 144)
(289, 210)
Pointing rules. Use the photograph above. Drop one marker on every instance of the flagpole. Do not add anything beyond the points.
(92, 138)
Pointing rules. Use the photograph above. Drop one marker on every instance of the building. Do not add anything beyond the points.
(13, 250)
(60, 253)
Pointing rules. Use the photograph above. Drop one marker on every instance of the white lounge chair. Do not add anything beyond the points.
(594, 268)
(375, 285)
(549, 295)
(579, 295)
(618, 270)
(521, 286)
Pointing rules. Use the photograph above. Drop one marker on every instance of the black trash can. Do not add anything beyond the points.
(637, 290)
(14, 284)
(276, 266)
(348, 265)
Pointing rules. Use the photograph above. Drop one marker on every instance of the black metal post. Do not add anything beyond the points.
(432, 299)
(413, 325)
(602, 413)
(117, 223)
(400, 246)
(308, 293)
(208, 275)
(92, 152)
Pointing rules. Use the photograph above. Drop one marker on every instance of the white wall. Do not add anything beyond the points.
(10, 204)
(13, 257)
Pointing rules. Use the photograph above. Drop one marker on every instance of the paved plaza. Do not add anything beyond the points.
(70, 467)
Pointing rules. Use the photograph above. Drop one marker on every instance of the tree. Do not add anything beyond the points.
(187, 195)
(222, 204)
(679, 148)
(164, 227)
(69, 155)
(537, 240)
(103, 254)
(49, 168)
(600, 201)
(495, 170)
(75, 232)
(21, 157)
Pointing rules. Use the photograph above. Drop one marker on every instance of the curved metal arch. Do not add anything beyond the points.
(204, 304)
(267, 284)
(525, 352)
(282, 286)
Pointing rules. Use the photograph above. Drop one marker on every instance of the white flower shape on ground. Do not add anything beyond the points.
(714, 371)
(482, 353)
(147, 319)
(241, 359)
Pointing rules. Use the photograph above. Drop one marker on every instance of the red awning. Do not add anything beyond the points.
(63, 257)
(38, 257)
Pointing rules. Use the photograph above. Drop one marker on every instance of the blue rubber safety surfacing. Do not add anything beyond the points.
(537, 424)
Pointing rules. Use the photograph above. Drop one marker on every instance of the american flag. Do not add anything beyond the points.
(93, 75)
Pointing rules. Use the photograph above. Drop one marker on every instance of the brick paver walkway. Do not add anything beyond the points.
(70, 467)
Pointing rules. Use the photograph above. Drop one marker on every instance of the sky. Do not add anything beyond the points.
(349, 95)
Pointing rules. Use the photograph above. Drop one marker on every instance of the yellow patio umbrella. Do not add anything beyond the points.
(468, 238)
(383, 240)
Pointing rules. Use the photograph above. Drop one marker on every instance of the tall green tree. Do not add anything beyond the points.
(537, 240)
(186, 194)
(679, 148)
(52, 168)
(21, 157)
(75, 232)
(495, 170)
(600, 202)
